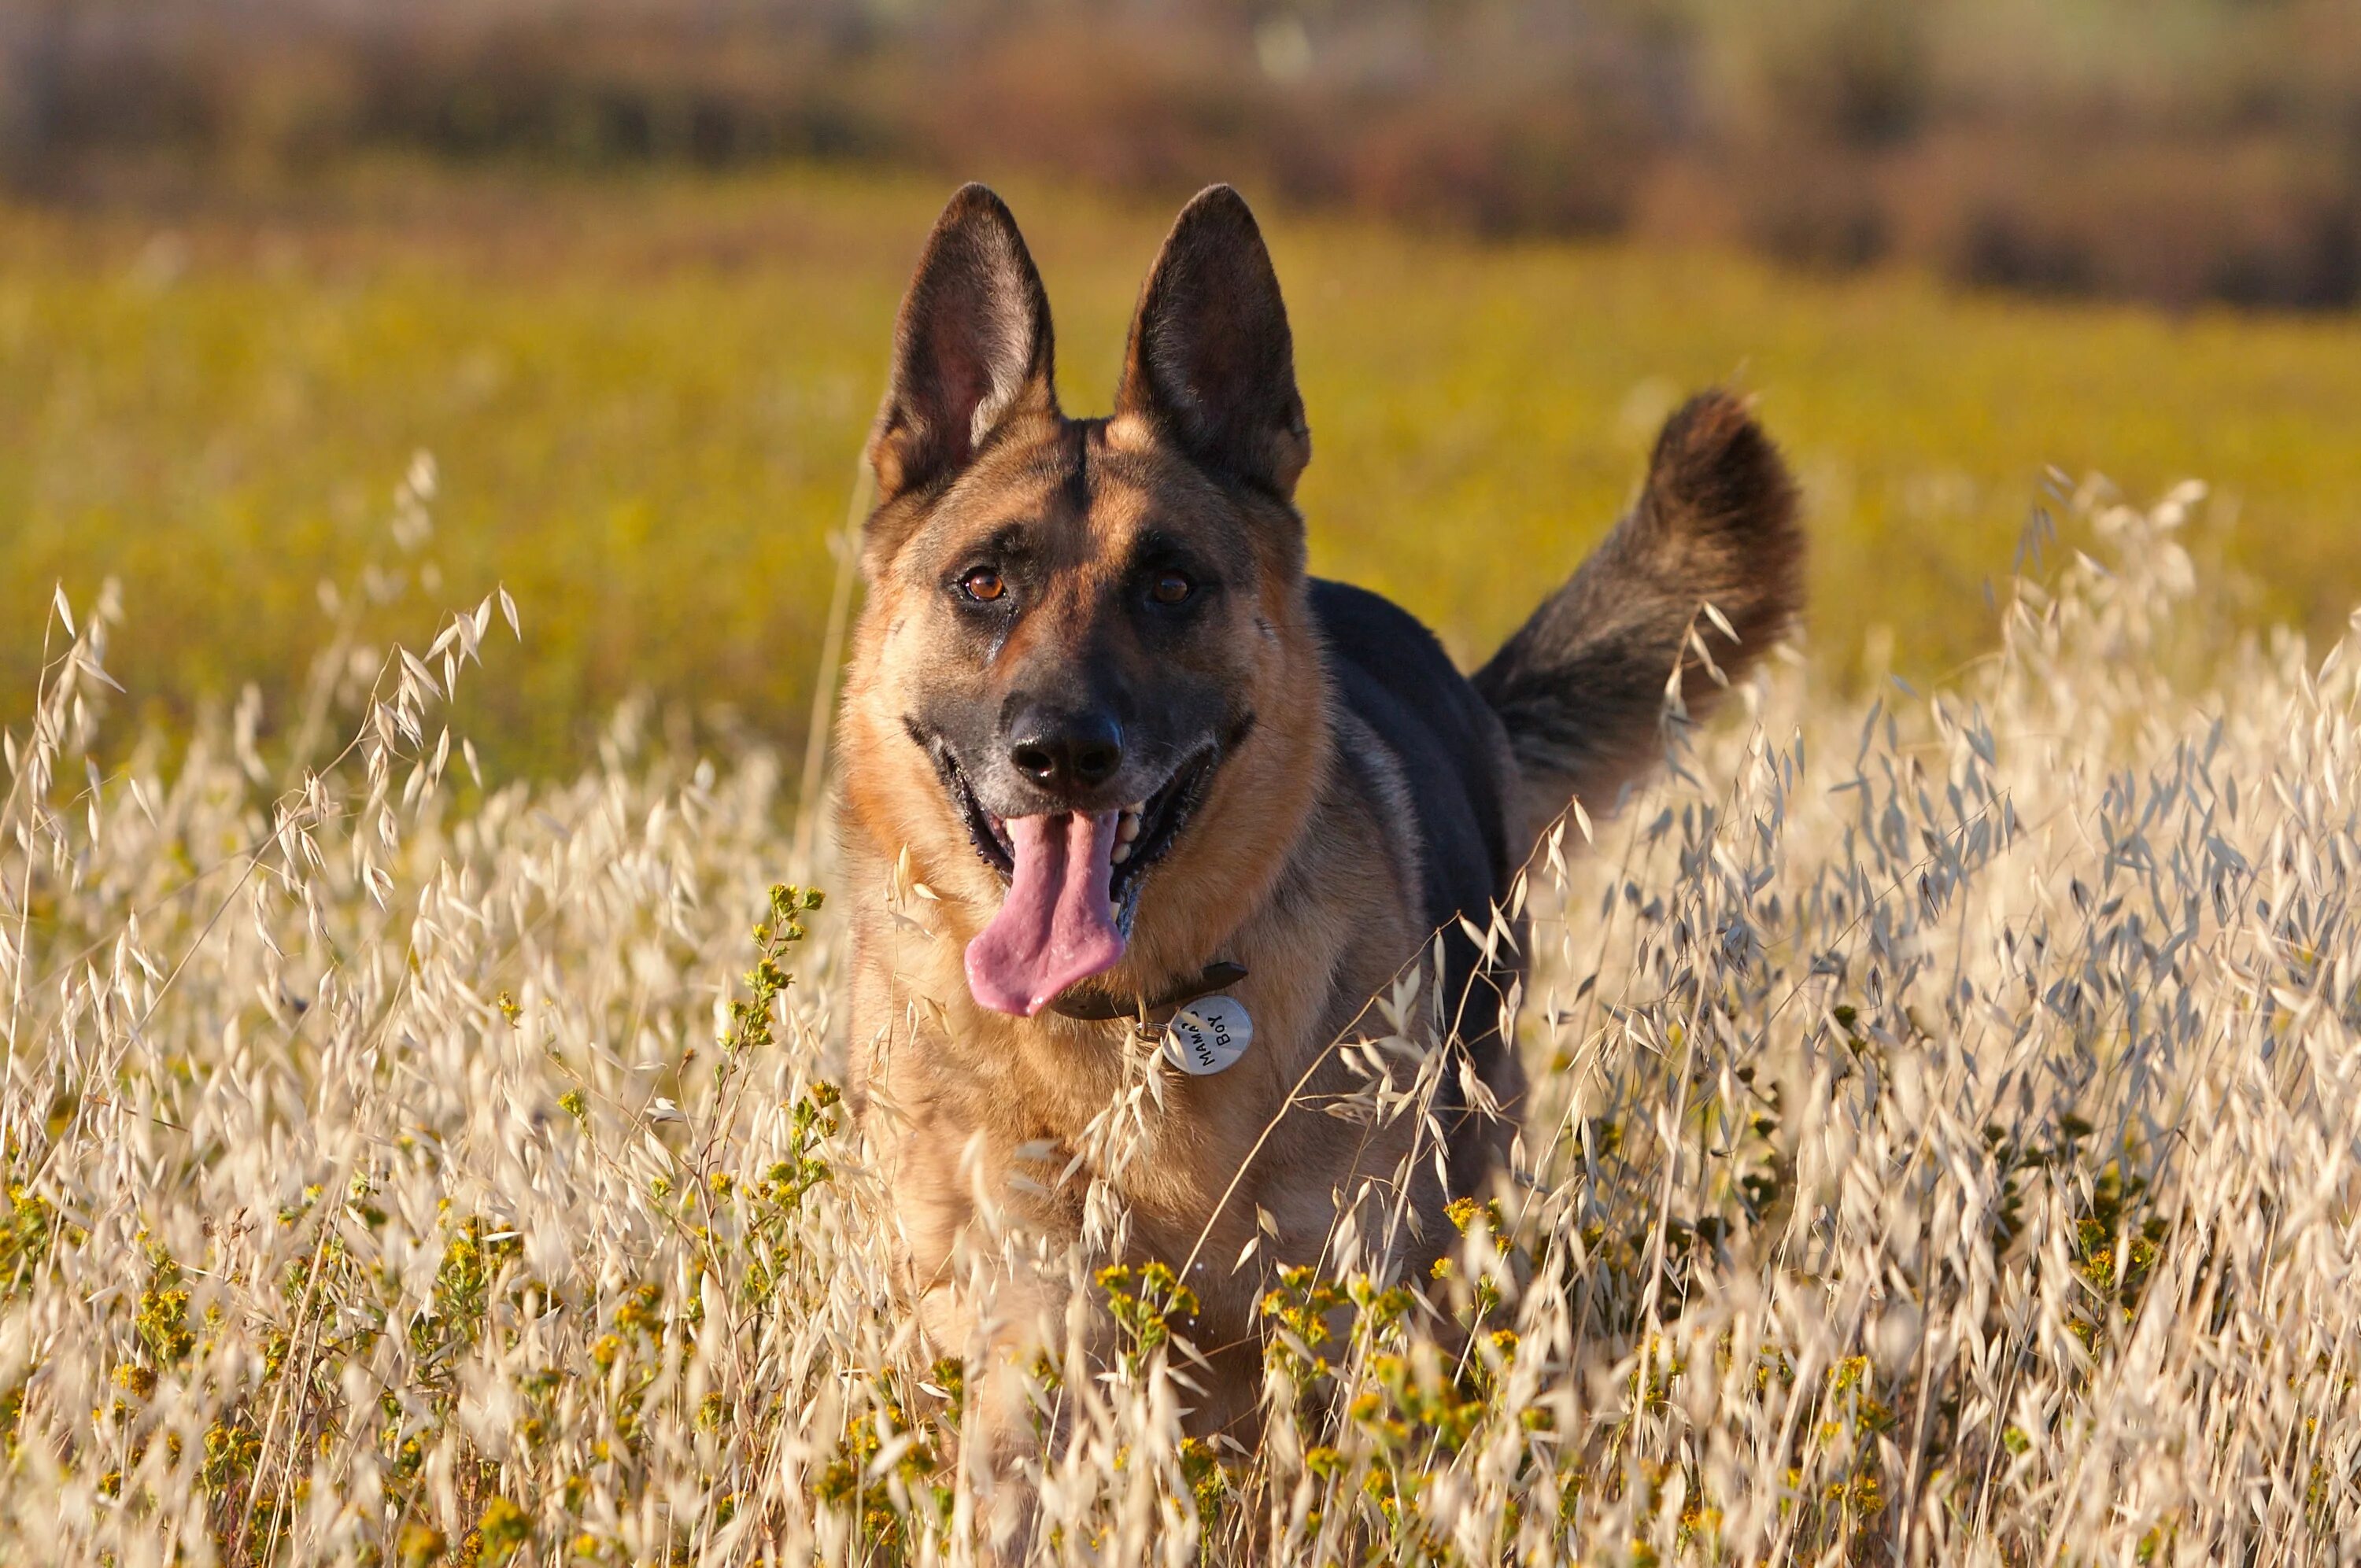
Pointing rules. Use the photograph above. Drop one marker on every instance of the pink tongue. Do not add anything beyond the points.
(1053, 928)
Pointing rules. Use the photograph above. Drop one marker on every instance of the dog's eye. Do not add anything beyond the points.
(1170, 587)
(983, 585)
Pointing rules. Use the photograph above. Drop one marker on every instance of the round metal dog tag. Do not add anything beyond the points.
(1208, 1035)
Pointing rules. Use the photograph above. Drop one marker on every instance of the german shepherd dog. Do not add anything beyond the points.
(1135, 754)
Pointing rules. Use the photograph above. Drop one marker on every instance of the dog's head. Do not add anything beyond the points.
(1090, 635)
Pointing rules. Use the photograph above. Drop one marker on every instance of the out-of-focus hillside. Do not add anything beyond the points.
(2173, 150)
(646, 397)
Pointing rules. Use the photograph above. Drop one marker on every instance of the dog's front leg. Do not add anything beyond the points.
(995, 1288)
(1019, 1338)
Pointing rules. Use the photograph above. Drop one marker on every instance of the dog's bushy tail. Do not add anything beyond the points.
(1581, 687)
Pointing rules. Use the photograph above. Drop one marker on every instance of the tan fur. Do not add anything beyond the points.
(1303, 861)
(1293, 857)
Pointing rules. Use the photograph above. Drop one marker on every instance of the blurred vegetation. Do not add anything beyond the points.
(646, 398)
(2173, 150)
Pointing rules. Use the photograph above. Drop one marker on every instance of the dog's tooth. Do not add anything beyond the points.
(1122, 854)
(1128, 830)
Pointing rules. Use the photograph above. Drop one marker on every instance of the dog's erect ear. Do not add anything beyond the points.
(1210, 360)
(971, 347)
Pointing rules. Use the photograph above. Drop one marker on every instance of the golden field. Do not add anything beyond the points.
(1942, 1148)
(1942, 1152)
(646, 398)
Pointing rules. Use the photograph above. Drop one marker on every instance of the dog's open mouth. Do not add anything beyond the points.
(1074, 881)
(1145, 829)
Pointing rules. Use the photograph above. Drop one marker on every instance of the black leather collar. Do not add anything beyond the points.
(1095, 1006)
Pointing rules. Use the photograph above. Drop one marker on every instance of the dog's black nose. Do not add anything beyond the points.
(1066, 750)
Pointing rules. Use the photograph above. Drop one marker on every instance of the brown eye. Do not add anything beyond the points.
(983, 585)
(1172, 587)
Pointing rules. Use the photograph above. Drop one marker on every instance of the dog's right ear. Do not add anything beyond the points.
(972, 347)
(1211, 360)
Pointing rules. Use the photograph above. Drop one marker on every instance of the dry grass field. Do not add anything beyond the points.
(418, 1123)
(1945, 1153)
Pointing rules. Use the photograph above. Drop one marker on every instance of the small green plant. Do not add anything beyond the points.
(1145, 1302)
(751, 1016)
(25, 1229)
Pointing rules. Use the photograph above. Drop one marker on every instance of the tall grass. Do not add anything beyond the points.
(1945, 1152)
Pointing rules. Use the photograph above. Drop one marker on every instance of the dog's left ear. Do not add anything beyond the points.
(1210, 360)
(971, 348)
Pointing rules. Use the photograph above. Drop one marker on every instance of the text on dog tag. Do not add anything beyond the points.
(1208, 1035)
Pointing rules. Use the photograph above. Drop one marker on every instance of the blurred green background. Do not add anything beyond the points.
(628, 272)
